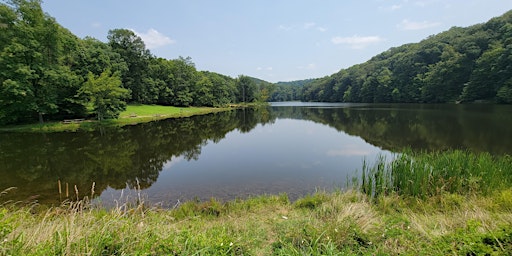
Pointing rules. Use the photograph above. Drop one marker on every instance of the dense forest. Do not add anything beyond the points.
(48, 73)
(459, 65)
(289, 91)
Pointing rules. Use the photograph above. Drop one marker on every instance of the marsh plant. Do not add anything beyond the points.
(424, 175)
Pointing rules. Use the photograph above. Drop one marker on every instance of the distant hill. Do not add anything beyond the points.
(298, 82)
(459, 65)
(289, 91)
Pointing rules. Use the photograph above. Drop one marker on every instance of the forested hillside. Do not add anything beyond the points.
(47, 73)
(459, 65)
(289, 91)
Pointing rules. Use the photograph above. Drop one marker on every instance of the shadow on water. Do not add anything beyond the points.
(134, 156)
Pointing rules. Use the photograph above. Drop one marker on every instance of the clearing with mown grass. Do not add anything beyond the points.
(134, 114)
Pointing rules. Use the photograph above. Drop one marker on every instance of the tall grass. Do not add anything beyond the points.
(423, 175)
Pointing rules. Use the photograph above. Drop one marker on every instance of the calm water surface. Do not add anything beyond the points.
(293, 148)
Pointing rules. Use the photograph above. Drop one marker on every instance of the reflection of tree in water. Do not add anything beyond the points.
(131, 156)
(480, 128)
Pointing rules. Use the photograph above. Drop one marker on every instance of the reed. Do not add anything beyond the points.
(423, 175)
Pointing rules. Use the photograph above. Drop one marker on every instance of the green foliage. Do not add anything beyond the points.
(310, 201)
(505, 93)
(478, 243)
(45, 67)
(133, 51)
(461, 64)
(34, 74)
(289, 91)
(105, 94)
(246, 89)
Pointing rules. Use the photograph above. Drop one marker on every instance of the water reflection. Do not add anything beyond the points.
(479, 128)
(284, 148)
(115, 158)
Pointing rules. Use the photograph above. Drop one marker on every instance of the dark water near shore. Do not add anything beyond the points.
(293, 148)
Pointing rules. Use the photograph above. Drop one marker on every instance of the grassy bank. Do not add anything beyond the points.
(133, 114)
(346, 223)
(468, 220)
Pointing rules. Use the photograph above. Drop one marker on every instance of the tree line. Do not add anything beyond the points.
(459, 65)
(48, 73)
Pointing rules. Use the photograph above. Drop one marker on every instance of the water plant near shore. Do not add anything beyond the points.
(423, 175)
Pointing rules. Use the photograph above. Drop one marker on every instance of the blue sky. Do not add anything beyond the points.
(275, 40)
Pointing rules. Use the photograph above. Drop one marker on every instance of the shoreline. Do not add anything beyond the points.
(134, 114)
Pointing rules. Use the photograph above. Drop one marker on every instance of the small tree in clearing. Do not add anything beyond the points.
(105, 94)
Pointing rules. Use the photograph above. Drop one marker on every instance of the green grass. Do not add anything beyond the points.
(134, 114)
(423, 175)
(457, 216)
(342, 223)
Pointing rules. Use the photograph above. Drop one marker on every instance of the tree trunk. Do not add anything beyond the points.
(41, 120)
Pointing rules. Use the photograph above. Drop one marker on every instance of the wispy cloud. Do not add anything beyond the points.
(391, 8)
(309, 66)
(305, 26)
(154, 39)
(395, 7)
(411, 25)
(264, 68)
(309, 25)
(321, 29)
(284, 27)
(96, 25)
(423, 3)
(357, 42)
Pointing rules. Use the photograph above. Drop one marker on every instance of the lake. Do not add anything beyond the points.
(293, 148)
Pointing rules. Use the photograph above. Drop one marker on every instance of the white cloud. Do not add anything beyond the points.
(391, 8)
(284, 27)
(423, 3)
(305, 26)
(411, 25)
(395, 7)
(266, 68)
(357, 42)
(96, 25)
(154, 39)
(309, 66)
(309, 25)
